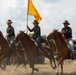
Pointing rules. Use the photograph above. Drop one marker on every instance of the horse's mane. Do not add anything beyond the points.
(61, 36)
(2, 37)
(28, 38)
(1, 34)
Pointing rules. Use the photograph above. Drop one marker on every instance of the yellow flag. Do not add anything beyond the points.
(33, 11)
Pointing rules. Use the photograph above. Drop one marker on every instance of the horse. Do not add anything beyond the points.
(32, 50)
(21, 59)
(5, 50)
(62, 49)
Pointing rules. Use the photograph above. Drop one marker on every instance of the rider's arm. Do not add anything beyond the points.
(63, 31)
(30, 29)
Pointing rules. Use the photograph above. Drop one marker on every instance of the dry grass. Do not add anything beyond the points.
(44, 69)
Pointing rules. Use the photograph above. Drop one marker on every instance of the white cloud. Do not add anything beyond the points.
(53, 13)
(51, 1)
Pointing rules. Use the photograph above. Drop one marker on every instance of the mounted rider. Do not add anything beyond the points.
(10, 35)
(37, 35)
(67, 32)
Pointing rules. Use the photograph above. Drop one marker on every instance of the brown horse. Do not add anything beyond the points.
(32, 50)
(63, 50)
(5, 50)
(20, 58)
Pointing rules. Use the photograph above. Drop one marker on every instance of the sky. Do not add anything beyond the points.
(53, 13)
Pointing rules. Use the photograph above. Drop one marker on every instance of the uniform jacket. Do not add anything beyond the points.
(10, 32)
(37, 31)
(67, 32)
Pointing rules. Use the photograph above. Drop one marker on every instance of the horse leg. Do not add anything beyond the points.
(1, 66)
(51, 58)
(16, 67)
(4, 67)
(57, 69)
(51, 63)
(59, 62)
(54, 63)
(61, 68)
(24, 65)
(31, 61)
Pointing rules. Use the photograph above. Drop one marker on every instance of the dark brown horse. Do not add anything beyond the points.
(63, 50)
(31, 49)
(5, 50)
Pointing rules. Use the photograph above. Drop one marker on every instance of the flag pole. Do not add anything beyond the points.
(27, 18)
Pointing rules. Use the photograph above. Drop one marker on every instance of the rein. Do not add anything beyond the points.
(61, 46)
(54, 43)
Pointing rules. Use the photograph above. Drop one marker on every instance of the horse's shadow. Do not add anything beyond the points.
(45, 73)
(74, 73)
(48, 73)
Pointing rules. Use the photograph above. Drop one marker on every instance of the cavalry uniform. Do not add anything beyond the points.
(37, 32)
(11, 36)
(67, 32)
(37, 35)
(10, 32)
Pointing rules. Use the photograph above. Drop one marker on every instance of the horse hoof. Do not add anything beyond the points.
(56, 73)
(32, 73)
(54, 67)
(37, 70)
(61, 73)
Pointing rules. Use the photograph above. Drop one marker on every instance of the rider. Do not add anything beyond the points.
(67, 32)
(37, 35)
(10, 35)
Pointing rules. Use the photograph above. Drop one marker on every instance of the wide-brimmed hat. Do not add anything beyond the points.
(35, 21)
(9, 21)
(66, 22)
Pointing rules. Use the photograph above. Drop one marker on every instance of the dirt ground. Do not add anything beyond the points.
(44, 69)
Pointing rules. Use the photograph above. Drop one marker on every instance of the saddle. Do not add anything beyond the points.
(43, 42)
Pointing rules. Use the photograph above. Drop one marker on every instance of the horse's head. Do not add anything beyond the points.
(52, 35)
(19, 36)
(22, 36)
(1, 35)
(56, 35)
